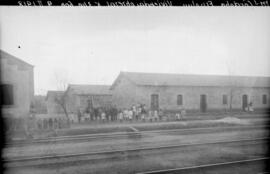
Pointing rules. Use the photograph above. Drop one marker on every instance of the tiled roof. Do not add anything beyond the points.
(54, 94)
(159, 79)
(90, 89)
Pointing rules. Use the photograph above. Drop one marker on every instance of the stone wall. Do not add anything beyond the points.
(97, 101)
(125, 94)
(21, 79)
(75, 102)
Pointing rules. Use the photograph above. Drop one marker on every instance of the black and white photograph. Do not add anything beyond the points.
(135, 90)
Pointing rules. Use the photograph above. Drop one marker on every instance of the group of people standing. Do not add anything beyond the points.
(249, 107)
(99, 113)
(134, 113)
(141, 113)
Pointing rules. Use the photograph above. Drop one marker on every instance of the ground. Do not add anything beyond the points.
(226, 128)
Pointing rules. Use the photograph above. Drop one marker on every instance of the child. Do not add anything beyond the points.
(178, 116)
(103, 116)
(130, 114)
(250, 108)
(139, 112)
(156, 115)
(126, 114)
(150, 115)
(121, 116)
(143, 117)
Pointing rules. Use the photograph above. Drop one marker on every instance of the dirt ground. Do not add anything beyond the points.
(138, 162)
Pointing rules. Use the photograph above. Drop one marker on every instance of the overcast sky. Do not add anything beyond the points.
(92, 45)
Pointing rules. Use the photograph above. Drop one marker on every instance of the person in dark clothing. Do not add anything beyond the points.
(50, 123)
(96, 112)
(79, 116)
(143, 117)
(107, 113)
(114, 112)
(92, 114)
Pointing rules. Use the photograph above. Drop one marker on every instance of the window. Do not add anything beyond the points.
(180, 100)
(264, 99)
(224, 99)
(6, 94)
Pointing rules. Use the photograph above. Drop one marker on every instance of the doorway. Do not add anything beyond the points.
(244, 101)
(203, 103)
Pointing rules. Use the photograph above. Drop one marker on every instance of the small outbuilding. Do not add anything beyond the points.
(17, 89)
(82, 97)
(52, 101)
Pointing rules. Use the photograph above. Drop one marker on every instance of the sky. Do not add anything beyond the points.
(91, 45)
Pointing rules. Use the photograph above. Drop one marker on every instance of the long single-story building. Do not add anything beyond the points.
(199, 93)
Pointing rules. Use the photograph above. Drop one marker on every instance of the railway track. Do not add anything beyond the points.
(56, 159)
(89, 137)
(205, 167)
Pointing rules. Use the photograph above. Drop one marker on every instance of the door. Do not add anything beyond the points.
(203, 103)
(154, 102)
(244, 101)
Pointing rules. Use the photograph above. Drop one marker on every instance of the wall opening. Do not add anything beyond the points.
(203, 103)
(179, 100)
(244, 101)
(224, 99)
(264, 99)
(6, 95)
